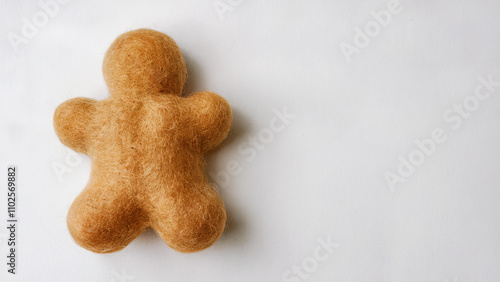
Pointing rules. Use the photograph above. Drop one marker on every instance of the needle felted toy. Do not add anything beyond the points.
(147, 145)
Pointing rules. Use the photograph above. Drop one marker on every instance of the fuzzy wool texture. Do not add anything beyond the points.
(147, 145)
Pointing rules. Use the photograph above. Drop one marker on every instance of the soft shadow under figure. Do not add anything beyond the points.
(194, 77)
(235, 226)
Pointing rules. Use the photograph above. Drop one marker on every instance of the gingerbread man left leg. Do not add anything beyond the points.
(103, 221)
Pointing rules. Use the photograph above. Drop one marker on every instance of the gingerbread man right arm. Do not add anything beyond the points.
(72, 121)
(210, 116)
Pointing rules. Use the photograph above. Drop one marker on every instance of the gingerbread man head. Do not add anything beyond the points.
(144, 61)
(147, 147)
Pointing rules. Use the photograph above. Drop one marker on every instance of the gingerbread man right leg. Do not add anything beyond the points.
(189, 219)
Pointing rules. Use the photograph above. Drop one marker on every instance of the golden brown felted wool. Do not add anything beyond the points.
(147, 146)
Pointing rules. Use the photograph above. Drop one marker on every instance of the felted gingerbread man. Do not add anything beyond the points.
(147, 147)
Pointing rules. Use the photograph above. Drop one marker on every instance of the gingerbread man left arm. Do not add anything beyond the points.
(72, 122)
(210, 119)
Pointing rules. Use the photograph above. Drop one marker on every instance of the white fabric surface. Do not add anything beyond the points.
(307, 196)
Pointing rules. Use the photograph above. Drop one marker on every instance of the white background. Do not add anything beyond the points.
(323, 177)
